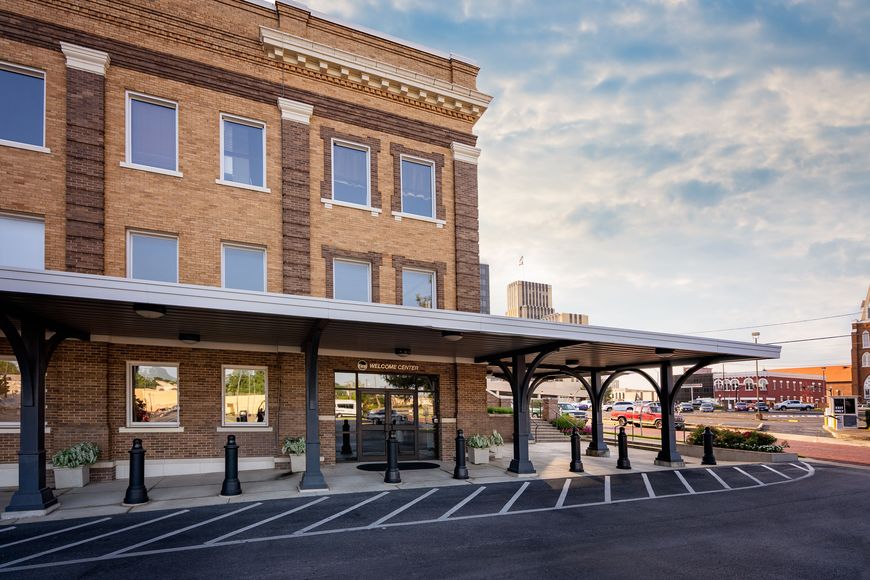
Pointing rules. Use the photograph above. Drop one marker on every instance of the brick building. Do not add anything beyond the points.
(773, 386)
(861, 352)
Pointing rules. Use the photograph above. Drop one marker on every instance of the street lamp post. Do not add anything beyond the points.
(758, 414)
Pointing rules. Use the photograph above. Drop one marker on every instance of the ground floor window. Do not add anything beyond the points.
(152, 392)
(245, 395)
(10, 393)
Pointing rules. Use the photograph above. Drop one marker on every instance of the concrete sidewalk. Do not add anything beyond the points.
(186, 491)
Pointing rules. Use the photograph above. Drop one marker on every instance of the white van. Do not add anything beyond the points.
(345, 408)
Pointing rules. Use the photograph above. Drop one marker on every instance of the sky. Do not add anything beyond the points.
(668, 165)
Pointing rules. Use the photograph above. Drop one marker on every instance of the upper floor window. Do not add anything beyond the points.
(152, 257)
(22, 107)
(350, 173)
(22, 242)
(418, 187)
(418, 288)
(865, 359)
(865, 339)
(152, 133)
(243, 157)
(762, 384)
(10, 393)
(244, 268)
(352, 280)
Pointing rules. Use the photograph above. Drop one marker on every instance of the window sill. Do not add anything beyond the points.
(15, 429)
(151, 169)
(244, 429)
(399, 215)
(328, 203)
(243, 186)
(25, 146)
(139, 429)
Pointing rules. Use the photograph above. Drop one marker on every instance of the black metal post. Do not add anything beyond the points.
(576, 461)
(392, 473)
(597, 447)
(622, 442)
(136, 491)
(708, 458)
(668, 455)
(522, 420)
(312, 479)
(232, 485)
(460, 471)
(345, 439)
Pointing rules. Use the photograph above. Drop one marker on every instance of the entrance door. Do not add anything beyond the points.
(378, 412)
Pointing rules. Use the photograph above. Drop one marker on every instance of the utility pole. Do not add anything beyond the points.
(758, 414)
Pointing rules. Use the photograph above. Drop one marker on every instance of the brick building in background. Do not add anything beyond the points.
(773, 386)
(861, 352)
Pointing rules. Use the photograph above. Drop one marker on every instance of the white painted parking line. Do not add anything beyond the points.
(7, 528)
(339, 514)
(267, 520)
(63, 531)
(564, 493)
(86, 540)
(649, 489)
(506, 508)
(755, 479)
(458, 506)
(804, 469)
(779, 473)
(396, 512)
(182, 530)
(719, 479)
(685, 483)
(606, 489)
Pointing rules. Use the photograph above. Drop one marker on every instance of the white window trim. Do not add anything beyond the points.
(224, 246)
(4, 425)
(32, 218)
(352, 261)
(133, 426)
(128, 158)
(131, 233)
(434, 285)
(250, 123)
(250, 426)
(865, 360)
(328, 203)
(33, 72)
(420, 161)
(359, 147)
(865, 339)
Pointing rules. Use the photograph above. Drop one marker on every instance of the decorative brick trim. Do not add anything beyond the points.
(440, 269)
(397, 150)
(374, 258)
(467, 241)
(85, 177)
(295, 207)
(374, 145)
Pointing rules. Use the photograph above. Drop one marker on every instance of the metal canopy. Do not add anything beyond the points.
(103, 307)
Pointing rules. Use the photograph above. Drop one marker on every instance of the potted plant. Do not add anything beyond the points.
(295, 448)
(478, 449)
(496, 444)
(72, 465)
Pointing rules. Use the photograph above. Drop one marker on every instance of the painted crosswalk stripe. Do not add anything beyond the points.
(606, 489)
(458, 506)
(339, 514)
(63, 531)
(649, 489)
(267, 520)
(779, 473)
(564, 493)
(752, 477)
(182, 530)
(685, 483)
(98, 537)
(396, 512)
(515, 497)
(719, 479)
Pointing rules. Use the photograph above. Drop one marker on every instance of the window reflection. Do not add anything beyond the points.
(155, 394)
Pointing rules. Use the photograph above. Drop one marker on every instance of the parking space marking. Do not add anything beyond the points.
(182, 530)
(779, 473)
(719, 479)
(63, 531)
(267, 520)
(606, 489)
(458, 506)
(339, 514)
(799, 467)
(86, 540)
(514, 499)
(753, 478)
(685, 483)
(7, 528)
(396, 512)
(564, 493)
(649, 489)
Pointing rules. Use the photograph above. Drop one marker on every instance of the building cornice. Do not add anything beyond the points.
(372, 74)
(465, 153)
(86, 59)
(295, 111)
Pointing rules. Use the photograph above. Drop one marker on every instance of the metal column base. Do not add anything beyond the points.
(598, 452)
(40, 502)
(521, 467)
(664, 463)
(312, 482)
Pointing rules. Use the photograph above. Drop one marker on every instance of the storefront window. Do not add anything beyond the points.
(10, 393)
(245, 391)
(153, 394)
(345, 416)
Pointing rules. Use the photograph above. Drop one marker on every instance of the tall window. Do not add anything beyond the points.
(243, 143)
(418, 187)
(352, 281)
(865, 339)
(865, 359)
(245, 396)
(762, 384)
(152, 257)
(10, 393)
(418, 288)
(22, 106)
(152, 133)
(152, 393)
(350, 173)
(244, 268)
(22, 242)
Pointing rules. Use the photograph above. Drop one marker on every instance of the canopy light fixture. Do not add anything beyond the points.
(149, 310)
(451, 335)
(572, 363)
(403, 352)
(188, 337)
(664, 352)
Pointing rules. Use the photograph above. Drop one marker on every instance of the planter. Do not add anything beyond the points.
(497, 451)
(297, 463)
(478, 456)
(65, 477)
(724, 454)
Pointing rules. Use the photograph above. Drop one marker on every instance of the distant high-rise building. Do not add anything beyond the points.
(484, 288)
(567, 318)
(530, 299)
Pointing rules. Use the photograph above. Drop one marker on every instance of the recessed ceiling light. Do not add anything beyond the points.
(149, 310)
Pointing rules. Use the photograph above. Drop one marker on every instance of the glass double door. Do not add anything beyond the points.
(380, 411)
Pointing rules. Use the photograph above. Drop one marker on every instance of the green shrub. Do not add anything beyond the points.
(496, 439)
(478, 441)
(293, 446)
(730, 439)
(564, 423)
(500, 410)
(76, 456)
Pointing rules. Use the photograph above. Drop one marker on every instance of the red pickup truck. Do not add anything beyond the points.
(645, 414)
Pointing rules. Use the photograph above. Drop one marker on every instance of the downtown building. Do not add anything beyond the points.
(861, 352)
(772, 387)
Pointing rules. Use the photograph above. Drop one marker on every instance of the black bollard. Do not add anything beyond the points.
(460, 471)
(622, 439)
(392, 474)
(576, 462)
(345, 439)
(136, 491)
(708, 458)
(232, 485)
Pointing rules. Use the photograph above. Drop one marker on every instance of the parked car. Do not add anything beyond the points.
(620, 406)
(646, 414)
(686, 408)
(584, 405)
(759, 406)
(706, 407)
(741, 406)
(793, 405)
(571, 410)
